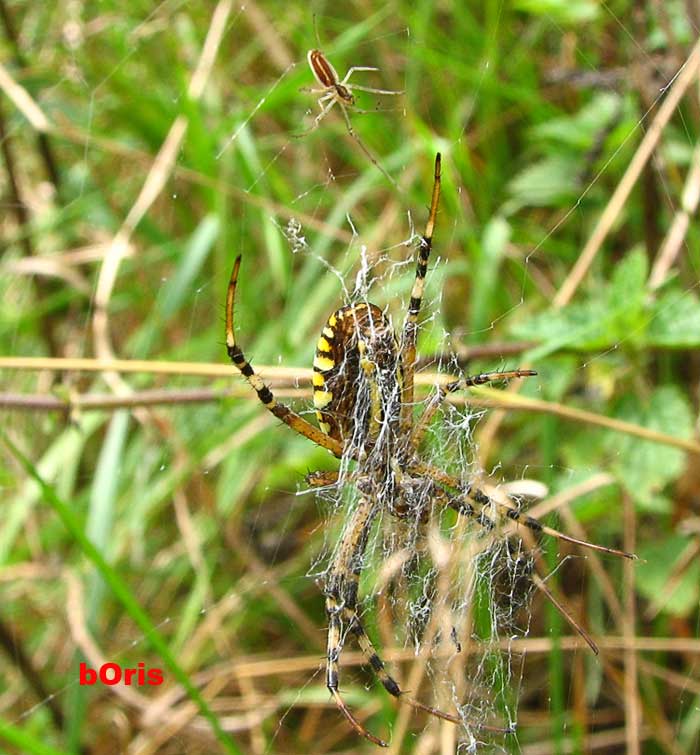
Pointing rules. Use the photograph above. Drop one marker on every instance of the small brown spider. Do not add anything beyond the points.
(334, 91)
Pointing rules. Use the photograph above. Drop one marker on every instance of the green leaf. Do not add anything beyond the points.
(626, 297)
(656, 571)
(645, 467)
(550, 181)
(617, 315)
(676, 321)
(628, 284)
(583, 326)
(582, 128)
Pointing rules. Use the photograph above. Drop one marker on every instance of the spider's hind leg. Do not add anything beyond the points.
(342, 587)
(344, 605)
(377, 665)
(341, 598)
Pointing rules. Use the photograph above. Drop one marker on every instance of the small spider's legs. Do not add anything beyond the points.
(316, 90)
(337, 91)
(442, 391)
(375, 110)
(410, 328)
(282, 412)
(512, 512)
(357, 68)
(361, 145)
(325, 109)
(372, 90)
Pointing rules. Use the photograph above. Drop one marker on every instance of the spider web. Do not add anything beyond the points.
(454, 592)
(444, 592)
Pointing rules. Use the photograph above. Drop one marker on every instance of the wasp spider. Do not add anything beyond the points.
(363, 381)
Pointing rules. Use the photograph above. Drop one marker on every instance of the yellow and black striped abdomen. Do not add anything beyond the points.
(357, 374)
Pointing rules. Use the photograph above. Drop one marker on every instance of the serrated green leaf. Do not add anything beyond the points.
(547, 182)
(616, 315)
(584, 326)
(626, 298)
(582, 128)
(656, 569)
(629, 280)
(554, 330)
(642, 466)
(676, 321)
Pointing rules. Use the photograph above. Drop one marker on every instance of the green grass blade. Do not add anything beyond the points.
(26, 742)
(123, 594)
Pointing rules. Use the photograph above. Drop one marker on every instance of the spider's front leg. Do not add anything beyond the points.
(442, 392)
(281, 411)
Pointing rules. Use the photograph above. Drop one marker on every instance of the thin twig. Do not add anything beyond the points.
(531, 645)
(483, 397)
(503, 399)
(151, 189)
(675, 237)
(43, 289)
(633, 704)
(23, 101)
(76, 135)
(675, 579)
(43, 143)
(617, 201)
(266, 32)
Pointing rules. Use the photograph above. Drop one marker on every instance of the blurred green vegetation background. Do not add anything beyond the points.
(145, 145)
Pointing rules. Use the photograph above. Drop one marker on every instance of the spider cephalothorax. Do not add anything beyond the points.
(363, 383)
